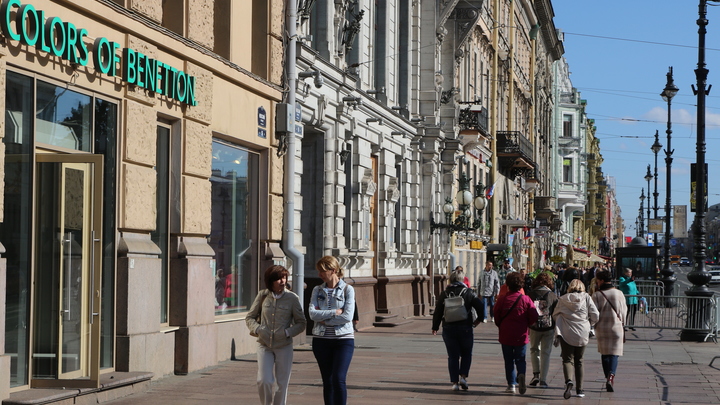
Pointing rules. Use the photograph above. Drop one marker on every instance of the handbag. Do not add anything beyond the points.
(616, 313)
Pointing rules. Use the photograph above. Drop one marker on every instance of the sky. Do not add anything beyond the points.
(619, 53)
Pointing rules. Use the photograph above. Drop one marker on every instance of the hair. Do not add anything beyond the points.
(570, 274)
(329, 263)
(457, 276)
(514, 281)
(459, 268)
(274, 273)
(543, 279)
(603, 275)
(627, 269)
(576, 286)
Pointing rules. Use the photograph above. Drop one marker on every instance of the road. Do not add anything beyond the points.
(681, 273)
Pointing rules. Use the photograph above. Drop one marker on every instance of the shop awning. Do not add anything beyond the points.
(581, 255)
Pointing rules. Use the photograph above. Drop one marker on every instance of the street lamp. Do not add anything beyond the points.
(642, 214)
(648, 177)
(667, 94)
(699, 276)
(466, 221)
(655, 148)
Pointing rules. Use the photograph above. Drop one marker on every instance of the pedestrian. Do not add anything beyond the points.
(489, 287)
(458, 334)
(574, 314)
(514, 313)
(504, 270)
(609, 330)
(332, 306)
(466, 280)
(542, 332)
(275, 317)
(629, 288)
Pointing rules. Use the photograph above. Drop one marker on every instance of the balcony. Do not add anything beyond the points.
(474, 117)
(545, 207)
(515, 152)
(569, 142)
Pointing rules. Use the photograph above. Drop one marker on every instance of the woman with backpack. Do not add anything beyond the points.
(574, 314)
(542, 332)
(453, 309)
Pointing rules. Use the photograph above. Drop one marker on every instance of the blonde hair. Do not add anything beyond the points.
(576, 286)
(329, 263)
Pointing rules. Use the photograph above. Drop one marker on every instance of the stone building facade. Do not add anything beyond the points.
(142, 186)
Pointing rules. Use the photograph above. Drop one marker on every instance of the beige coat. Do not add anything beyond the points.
(610, 329)
(280, 319)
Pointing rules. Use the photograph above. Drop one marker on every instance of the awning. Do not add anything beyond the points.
(580, 255)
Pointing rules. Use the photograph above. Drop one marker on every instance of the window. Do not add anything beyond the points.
(567, 170)
(161, 235)
(567, 126)
(234, 229)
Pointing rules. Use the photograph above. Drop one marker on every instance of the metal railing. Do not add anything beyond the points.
(676, 312)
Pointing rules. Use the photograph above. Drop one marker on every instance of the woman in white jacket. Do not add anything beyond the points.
(574, 314)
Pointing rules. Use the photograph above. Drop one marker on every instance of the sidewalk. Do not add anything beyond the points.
(407, 365)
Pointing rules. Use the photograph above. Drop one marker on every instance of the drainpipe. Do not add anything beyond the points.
(298, 259)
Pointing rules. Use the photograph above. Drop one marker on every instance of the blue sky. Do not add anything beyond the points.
(619, 53)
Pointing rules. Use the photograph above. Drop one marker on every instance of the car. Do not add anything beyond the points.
(684, 261)
(715, 273)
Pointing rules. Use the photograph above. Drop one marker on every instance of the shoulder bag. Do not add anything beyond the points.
(616, 313)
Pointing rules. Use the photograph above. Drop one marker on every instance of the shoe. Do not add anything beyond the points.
(510, 389)
(521, 383)
(543, 384)
(534, 382)
(568, 388)
(455, 387)
(592, 332)
(609, 383)
(484, 320)
(632, 329)
(463, 383)
(580, 393)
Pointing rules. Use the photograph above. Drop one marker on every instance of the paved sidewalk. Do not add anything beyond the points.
(407, 365)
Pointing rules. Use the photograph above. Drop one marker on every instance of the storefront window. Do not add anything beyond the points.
(234, 234)
(63, 117)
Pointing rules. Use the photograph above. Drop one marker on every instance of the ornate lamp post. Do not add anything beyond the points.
(648, 177)
(698, 323)
(667, 272)
(642, 214)
(655, 148)
(466, 221)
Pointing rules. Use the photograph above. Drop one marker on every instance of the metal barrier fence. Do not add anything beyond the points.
(677, 312)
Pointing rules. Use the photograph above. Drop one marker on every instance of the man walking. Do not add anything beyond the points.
(489, 287)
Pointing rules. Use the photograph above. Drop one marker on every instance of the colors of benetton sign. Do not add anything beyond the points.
(31, 27)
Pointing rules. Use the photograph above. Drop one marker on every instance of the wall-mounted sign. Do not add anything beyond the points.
(262, 117)
(262, 133)
(31, 27)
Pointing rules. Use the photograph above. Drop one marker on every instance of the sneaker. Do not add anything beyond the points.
(543, 384)
(534, 382)
(521, 382)
(484, 320)
(510, 389)
(455, 387)
(463, 383)
(592, 332)
(580, 393)
(568, 388)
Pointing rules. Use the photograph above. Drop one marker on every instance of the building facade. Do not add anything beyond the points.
(142, 187)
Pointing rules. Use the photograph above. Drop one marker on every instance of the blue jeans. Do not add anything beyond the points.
(609, 364)
(489, 306)
(514, 357)
(459, 345)
(333, 357)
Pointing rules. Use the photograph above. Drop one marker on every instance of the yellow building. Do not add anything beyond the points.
(141, 187)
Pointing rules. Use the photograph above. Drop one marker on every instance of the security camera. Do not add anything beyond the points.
(318, 79)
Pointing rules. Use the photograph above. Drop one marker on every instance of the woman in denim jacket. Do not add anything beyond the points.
(332, 306)
(281, 318)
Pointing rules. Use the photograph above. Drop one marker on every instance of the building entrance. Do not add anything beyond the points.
(65, 348)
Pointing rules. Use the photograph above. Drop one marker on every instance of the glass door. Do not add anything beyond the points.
(67, 265)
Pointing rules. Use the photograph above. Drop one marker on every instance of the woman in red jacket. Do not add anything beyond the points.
(514, 313)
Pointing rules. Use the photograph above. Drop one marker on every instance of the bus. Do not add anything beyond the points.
(675, 260)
